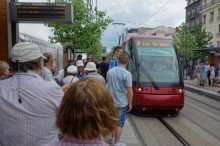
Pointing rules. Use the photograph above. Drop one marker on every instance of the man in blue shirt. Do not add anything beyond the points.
(116, 53)
(120, 86)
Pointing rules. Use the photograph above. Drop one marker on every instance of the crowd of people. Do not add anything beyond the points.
(206, 74)
(37, 104)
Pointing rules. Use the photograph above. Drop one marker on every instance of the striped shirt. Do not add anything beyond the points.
(32, 122)
(67, 141)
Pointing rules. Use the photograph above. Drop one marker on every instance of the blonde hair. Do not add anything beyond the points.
(87, 110)
(3, 67)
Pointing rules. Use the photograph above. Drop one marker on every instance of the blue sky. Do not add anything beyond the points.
(132, 13)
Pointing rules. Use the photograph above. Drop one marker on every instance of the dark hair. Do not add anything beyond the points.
(103, 58)
(117, 47)
(123, 59)
(79, 57)
(25, 66)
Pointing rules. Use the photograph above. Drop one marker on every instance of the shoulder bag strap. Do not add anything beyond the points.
(72, 80)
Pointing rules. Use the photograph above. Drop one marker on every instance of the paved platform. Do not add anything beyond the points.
(128, 136)
(211, 91)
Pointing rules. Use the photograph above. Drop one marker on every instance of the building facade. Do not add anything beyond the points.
(193, 16)
(210, 11)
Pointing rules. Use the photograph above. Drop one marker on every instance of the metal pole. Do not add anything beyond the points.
(117, 23)
(119, 40)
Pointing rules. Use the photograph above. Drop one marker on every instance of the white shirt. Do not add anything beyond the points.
(96, 76)
(70, 79)
(207, 67)
(32, 122)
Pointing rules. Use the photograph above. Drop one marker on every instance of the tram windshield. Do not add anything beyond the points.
(160, 62)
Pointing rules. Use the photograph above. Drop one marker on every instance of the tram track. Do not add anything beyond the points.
(173, 131)
(199, 101)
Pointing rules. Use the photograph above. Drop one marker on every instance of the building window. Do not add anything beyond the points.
(204, 19)
(218, 32)
(210, 44)
(197, 21)
(193, 11)
(219, 28)
(197, 9)
(188, 13)
(218, 17)
(211, 29)
(211, 16)
(218, 43)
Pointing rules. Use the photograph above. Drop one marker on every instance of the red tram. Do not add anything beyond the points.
(157, 81)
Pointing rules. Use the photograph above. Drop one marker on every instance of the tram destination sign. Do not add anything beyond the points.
(41, 12)
(153, 43)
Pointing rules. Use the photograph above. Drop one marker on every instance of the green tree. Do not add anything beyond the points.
(84, 33)
(185, 41)
(202, 38)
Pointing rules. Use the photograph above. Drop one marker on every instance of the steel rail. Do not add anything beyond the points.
(174, 132)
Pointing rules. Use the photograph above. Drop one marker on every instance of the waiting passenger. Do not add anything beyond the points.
(48, 67)
(47, 70)
(92, 72)
(28, 103)
(71, 73)
(86, 114)
(116, 53)
(60, 75)
(80, 68)
(4, 70)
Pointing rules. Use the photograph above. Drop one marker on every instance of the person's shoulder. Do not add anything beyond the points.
(46, 84)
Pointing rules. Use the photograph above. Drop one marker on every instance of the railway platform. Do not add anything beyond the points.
(129, 138)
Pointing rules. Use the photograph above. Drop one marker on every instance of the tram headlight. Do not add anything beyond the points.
(179, 91)
(141, 89)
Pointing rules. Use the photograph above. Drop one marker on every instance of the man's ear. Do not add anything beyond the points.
(40, 66)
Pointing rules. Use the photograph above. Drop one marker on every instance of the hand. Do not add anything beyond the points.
(65, 87)
(129, 107)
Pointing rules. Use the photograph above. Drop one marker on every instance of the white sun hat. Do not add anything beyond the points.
(25, 51)
(79, 63)
(72, 69)
(90, 66)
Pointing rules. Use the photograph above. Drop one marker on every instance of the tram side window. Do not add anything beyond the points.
(132, 65)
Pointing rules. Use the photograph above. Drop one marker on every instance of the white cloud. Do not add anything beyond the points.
(135, 12)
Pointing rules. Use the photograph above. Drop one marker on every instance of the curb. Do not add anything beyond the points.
(210, 94)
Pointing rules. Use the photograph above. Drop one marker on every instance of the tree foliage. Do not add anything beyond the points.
(84, 33)
(187, 42)
(202, 38)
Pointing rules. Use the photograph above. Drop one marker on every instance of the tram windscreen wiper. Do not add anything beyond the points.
(149, 77)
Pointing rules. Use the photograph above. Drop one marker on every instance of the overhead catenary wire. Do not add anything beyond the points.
(122, 11)
(156, 12)
(116, 22)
